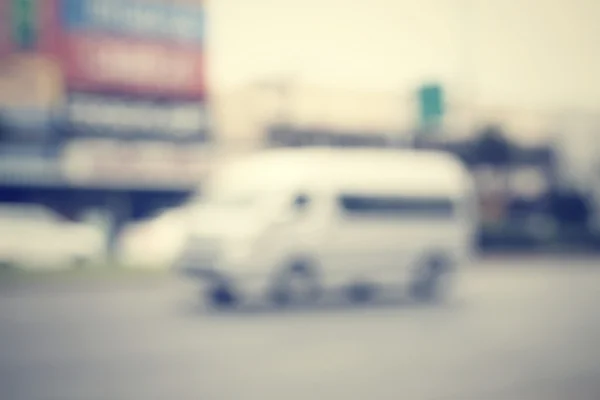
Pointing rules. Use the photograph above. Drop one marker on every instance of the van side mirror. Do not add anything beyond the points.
(294, 211)
(301, 203)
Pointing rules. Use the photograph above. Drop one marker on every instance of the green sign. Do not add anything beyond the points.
(24, 18)
(431, 105)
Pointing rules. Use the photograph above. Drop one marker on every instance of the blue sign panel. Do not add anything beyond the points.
(134, 18)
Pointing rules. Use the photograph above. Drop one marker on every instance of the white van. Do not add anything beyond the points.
(291, 222)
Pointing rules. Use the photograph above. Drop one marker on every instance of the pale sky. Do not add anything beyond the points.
(532, 54)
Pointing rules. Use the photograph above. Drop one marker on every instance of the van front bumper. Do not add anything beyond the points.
(237, 277)
(195, 269)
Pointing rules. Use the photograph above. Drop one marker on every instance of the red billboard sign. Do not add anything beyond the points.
(97, 63)
(123, 59)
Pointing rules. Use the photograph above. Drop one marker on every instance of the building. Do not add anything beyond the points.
(102, 105)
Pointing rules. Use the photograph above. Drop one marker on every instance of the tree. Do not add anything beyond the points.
(492, 149)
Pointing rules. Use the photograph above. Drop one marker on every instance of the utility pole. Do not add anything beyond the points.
(278, 123)
(468, 76)
(282, 87)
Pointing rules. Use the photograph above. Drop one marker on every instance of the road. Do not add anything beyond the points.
(518, 329)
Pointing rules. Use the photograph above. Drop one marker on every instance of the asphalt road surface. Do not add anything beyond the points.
(519, 329)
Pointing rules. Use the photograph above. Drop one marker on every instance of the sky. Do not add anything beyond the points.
(528, 54)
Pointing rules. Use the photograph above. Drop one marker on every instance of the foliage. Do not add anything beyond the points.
(493, 148)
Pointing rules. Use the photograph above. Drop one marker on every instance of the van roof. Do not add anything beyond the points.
(415, 171)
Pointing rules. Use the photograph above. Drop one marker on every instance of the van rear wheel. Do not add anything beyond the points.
(298, 282)
(361, 292)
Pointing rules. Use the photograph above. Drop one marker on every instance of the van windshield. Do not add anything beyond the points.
(395, 206)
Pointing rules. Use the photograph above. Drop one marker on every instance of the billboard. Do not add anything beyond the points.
(146, 20)
(113, 90)
(133, 46)
(92, 115)
(135, 164)
(100, 63)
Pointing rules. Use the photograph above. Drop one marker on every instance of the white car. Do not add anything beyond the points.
(153, 243)
(288, 223)
(34, 237)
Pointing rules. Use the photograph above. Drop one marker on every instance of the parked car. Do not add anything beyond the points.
(289, 223)
(34, 237)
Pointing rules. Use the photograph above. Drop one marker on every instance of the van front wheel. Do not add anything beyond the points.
(221, 297)
(296, 282)
(431, 279)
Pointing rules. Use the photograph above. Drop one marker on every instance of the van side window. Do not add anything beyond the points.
(301, 202)
(388, 206)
